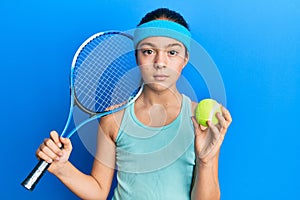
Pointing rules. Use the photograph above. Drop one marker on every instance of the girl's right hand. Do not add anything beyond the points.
(50, 151)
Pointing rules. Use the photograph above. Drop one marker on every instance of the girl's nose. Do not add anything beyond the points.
(160, 60)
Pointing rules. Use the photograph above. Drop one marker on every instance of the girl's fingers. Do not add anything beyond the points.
(46, 154)
(51, 149)
(52, 146)
(198, 128)
(66, 143)
(215, 130)
(43, 156)
(195, 123)
(55, 137)
(222, 121)
(226, 114)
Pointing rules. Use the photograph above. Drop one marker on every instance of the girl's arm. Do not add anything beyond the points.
(206, 182)
(97, 184)
(86, 186)
(207, 147)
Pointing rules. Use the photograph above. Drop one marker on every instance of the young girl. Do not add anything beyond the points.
(159, 149)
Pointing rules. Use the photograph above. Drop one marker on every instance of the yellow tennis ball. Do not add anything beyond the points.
(206, 110)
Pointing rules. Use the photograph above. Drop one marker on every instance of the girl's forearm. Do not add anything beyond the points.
(206, 184)
(83, 185)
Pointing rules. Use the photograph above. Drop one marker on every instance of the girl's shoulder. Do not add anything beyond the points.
(110, 124)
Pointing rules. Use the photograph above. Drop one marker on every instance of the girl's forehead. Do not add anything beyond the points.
(159, 41)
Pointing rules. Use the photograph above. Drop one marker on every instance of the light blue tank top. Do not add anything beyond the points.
(155, 163)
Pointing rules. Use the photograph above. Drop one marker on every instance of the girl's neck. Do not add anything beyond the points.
(150, 97)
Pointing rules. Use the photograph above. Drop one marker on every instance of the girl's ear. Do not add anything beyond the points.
(186, 59)
(136, 56)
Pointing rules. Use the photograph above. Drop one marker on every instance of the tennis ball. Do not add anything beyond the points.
(206, 110)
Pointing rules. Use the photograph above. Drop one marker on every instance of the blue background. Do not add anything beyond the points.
(254, 43)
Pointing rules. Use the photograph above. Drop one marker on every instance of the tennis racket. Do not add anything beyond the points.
(104, 79)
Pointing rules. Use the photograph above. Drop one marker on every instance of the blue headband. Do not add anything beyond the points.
(163, 28)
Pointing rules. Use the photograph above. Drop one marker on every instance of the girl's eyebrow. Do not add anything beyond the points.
(174, 45)
(153, 45)
(146, 44)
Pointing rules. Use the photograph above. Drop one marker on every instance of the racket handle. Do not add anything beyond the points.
(35, 175)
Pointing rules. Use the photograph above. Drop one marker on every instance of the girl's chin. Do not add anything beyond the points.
(158, 86)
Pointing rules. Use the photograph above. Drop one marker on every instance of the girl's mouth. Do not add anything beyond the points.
(160, 77)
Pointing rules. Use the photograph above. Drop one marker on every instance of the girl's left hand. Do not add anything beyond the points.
(208, 140)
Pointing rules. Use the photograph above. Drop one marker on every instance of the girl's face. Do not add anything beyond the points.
(161, 60)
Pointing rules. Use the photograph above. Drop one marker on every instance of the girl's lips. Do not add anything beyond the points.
(160, 77)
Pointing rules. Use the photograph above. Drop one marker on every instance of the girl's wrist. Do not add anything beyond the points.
(200, 163)
(59, 169)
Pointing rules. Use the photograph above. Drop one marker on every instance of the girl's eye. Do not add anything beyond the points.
(173, 53)
(148, 52)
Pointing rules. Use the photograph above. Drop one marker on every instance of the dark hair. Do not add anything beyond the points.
(164, 13)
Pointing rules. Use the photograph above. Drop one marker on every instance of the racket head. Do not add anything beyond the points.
(104, 75)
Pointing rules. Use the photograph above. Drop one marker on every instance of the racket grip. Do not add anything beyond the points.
(35, 175)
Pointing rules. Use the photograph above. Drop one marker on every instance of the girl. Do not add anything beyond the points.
(160, 151)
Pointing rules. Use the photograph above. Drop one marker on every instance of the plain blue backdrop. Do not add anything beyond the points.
(254, 43)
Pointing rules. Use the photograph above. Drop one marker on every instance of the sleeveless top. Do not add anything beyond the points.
(155, 163)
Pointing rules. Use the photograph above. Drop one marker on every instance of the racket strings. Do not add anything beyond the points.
(105, 73)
